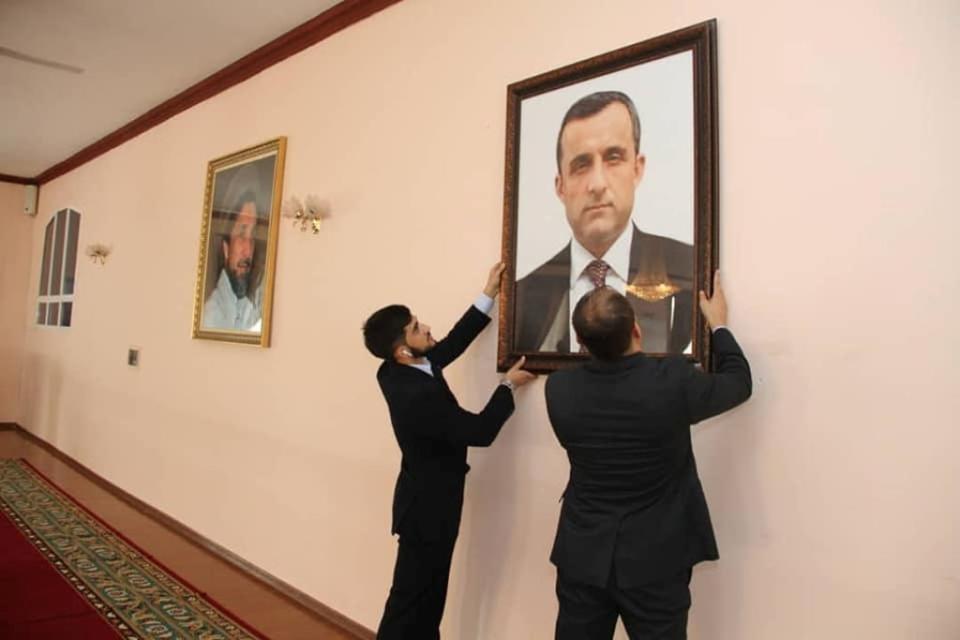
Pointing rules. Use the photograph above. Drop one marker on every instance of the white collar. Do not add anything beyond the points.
(617, 256)
(225, 288)
(425, 367)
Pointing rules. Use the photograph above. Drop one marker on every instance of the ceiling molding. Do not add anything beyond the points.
(4, 177)
(331, 21)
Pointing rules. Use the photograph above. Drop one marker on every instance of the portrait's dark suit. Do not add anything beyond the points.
(543, 301)
(634, 518)
(433, 432)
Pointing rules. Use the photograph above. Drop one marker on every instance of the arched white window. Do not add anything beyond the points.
(58, 272)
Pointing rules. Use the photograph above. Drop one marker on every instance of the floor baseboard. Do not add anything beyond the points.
(288, 592)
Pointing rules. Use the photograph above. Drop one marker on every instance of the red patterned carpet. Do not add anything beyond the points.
(66, 575)
(36, 602)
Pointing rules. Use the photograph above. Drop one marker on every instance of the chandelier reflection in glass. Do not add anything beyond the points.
(652, 291)
(651, 282)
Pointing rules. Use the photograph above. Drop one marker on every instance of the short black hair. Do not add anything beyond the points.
(603, 321)
(384, 330)
(593, 104)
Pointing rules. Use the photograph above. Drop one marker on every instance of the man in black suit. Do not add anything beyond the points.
(634, 519)
(433, 432)
(599, 167)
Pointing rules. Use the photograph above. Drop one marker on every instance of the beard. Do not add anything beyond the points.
(239, 282)
(420, 353)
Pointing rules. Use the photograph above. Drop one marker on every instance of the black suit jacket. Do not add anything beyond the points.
(433, 432)
(634, 503)
(544, 293)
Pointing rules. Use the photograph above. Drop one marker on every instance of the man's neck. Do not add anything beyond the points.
(598, 250)
(636, 346)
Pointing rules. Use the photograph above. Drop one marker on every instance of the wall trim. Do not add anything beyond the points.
(331, 21)
(6, 177)
(290, 593)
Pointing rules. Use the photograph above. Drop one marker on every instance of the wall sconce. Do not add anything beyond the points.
(309, 213)
(98, 253)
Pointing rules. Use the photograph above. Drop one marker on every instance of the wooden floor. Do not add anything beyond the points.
(265, 609)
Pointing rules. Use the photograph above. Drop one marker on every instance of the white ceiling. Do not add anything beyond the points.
(135, 54)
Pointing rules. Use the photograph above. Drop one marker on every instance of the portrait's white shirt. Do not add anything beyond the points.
(223, 310)
(617, 256)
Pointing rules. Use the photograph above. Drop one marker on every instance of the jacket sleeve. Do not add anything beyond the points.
(463, 333)
(439, 418)
(710, 394)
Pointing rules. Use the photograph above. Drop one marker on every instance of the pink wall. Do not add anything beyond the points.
(835, 491)
(15, 259)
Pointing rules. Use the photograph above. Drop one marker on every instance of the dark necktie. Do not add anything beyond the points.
(597, 272)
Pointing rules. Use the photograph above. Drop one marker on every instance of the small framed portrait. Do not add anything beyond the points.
(238, 245)
(611, 180)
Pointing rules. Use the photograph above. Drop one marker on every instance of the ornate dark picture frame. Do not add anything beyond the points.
(673, 77)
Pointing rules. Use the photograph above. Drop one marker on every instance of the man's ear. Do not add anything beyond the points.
(636, 335)
(639, 168)
(558, 186)
(225, 245)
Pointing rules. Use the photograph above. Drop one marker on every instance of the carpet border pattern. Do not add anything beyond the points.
(137, 596)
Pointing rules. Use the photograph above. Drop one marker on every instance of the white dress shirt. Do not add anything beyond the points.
(223, 310)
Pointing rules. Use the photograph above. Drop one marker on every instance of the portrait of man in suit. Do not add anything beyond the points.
(600, 163)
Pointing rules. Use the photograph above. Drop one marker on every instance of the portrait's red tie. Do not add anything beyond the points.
(597, 272)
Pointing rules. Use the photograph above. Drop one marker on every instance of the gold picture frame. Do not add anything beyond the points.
(233, 301)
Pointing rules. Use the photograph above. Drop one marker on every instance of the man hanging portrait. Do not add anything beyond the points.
(238, 245)
(611, 181)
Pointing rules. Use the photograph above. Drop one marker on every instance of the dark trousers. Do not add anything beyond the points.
(415, 604)
(652, 612)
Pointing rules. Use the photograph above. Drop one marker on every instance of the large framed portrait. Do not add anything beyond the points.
(611, 180)
(238, 245)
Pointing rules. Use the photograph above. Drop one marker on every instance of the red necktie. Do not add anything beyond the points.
(597, 272)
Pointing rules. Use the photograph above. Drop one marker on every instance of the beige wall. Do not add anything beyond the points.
(834, 492)
(15, 259)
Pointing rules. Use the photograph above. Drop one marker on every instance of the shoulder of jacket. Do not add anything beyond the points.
(564, 377)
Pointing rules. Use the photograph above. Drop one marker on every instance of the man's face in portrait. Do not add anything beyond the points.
(239, 247)
(599, 171)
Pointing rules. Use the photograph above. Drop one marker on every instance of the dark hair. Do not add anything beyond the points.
(383, 330)
(603, 321)
(593, 104)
